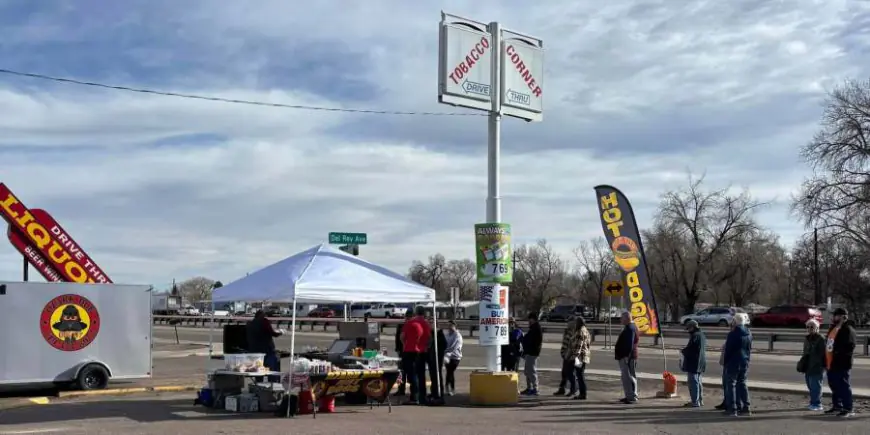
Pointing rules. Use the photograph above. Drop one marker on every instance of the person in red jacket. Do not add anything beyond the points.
(415, 339)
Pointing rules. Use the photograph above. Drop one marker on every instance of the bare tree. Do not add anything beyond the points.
(666, 253)
(595, 265)
(837, 196)
(707, 221)
(196, 289)
(431, 274)
(753, 263)
(538, 277)
(463, 274)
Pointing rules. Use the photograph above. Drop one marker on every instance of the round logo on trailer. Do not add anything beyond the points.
(69, 322)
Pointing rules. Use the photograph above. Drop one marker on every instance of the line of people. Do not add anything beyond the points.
(416, 345)
(831, 355)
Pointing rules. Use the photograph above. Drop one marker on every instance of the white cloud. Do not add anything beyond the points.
(641, 93)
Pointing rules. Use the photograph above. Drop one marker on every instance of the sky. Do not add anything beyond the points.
(637, 94)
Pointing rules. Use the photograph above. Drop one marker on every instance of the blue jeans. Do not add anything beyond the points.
(814, 384)
(696, 390)
(736, 391)
(841, 389)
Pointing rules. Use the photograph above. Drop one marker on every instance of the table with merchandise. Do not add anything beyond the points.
(245, 385)
(372, 379)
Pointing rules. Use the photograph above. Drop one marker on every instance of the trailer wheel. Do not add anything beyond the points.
(93, 377)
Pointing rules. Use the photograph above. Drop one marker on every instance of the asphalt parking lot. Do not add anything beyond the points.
(166, 414)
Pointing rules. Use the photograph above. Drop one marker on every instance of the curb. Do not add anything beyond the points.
(771, 387)
(126, 391)
(21, 403)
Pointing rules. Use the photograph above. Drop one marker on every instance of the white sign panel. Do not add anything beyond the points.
(522, 70)
(493, 315)
(465, 64)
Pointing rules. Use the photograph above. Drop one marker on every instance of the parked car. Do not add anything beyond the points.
(787, 315)
(561, 313)
(387, 311)
(322, 312)
(277, 312)
(713, 316)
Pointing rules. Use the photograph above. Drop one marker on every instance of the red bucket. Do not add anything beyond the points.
(306, 404)
(327, 404)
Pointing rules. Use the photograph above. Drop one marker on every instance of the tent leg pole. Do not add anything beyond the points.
(210, 332)
(437, 357)
(292, 355)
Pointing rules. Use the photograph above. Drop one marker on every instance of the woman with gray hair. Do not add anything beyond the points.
(738, 350)
(737, 320)
(812, 364)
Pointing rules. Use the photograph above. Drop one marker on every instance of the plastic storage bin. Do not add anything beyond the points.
(245, 362)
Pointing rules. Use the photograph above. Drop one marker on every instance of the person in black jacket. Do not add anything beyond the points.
(510, 353)
(695, 363)
(435, 361)
(625, 351)
(839, 356)
(261, 339)
(532, 342)
(400, 353)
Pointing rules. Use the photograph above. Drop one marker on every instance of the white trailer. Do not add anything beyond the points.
(71, 334)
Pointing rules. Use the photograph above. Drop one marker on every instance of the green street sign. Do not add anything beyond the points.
(493, 247)
(348, 238)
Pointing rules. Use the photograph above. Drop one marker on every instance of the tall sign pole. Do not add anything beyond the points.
(485, 67)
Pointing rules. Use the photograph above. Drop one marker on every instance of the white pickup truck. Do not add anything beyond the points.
(189, 310)
(387, 311)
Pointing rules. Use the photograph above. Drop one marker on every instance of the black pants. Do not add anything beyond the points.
(409, 367)
(580, 372)
(420, 378)
(569, 376)
(509, 363)
(436, 376)
(451, 373)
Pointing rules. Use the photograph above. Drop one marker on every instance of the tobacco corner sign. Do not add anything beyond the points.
(45, 244)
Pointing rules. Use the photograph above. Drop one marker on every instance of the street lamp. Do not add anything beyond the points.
(817, 287)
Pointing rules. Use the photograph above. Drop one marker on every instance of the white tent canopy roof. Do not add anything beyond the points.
(323, 274)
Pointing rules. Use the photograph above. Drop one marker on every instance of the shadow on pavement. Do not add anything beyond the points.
(662, 415)
(143, 411)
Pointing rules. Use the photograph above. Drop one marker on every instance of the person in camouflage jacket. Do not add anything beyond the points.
(567, 354)
(580, 348)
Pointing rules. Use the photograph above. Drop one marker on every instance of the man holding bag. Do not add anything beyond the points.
(694, 363)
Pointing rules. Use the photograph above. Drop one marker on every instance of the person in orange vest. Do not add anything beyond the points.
(839, 355)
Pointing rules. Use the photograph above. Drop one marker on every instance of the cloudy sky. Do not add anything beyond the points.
(637, 94)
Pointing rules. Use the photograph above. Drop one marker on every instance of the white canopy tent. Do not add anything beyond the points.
(323, 274)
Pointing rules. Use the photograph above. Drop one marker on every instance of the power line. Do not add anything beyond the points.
(226, 100)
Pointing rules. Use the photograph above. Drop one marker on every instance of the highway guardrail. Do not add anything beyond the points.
(471, 326)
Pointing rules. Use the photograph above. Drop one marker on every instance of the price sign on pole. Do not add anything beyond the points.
(493, 315)
(493, 248)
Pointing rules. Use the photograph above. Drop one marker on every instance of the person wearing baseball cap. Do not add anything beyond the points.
(694, 363)
(839, 355)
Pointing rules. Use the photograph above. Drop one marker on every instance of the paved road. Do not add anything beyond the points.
(175, 414)
(764, 368)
